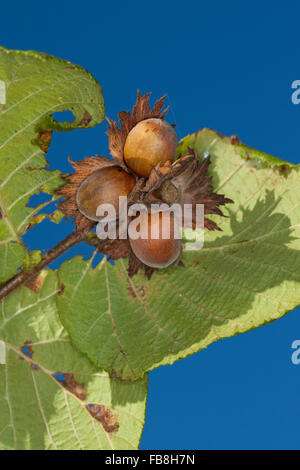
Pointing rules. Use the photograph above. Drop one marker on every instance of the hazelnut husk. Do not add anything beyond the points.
(184, 181)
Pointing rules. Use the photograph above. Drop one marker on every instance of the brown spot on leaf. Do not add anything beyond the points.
(114, 375)
(86, 119)
(131, 292)
(62, 288)
(35, 283)
(234, 140)
(105, 416)
(142, 291)
(137, 291)
(284, 170)
(26, 349)
(44, 140)
(67, 380)
(31, 168)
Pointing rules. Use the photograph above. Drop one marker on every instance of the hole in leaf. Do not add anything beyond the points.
(97, 259)
(63, 116)
(46, 234)
(59, 376)
(37, 199)
(26, 349)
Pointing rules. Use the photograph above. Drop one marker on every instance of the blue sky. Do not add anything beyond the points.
(227, 65)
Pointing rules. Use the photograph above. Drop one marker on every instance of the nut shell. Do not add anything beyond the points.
(104, 186)
(156, 253)
(151, 141)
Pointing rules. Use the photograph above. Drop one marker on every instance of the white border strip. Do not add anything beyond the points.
(2, 92)
(2, 353)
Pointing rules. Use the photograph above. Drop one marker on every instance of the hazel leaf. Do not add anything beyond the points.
(51, 396)
(33, 87)
(245, 276)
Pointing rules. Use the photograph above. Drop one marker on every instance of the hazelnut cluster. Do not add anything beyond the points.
(144, 170)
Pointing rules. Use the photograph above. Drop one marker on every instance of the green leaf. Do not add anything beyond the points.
(39, 411)
(51, 396)
(33, 86)
(245, 276)
(11, 257)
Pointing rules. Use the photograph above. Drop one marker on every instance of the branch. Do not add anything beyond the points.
(51, 255)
